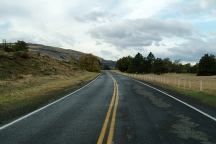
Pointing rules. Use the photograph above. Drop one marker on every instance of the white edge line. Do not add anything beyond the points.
(40, 109)
(188, 105)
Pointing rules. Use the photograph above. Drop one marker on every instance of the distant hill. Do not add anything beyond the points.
(65, 54)
(108, 64)
(55, 52)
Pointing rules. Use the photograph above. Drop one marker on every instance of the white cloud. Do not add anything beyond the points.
(113, 28)
(145, 8)
(141, 32)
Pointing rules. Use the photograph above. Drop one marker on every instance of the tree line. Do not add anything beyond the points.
(150, 64)
(13, 47)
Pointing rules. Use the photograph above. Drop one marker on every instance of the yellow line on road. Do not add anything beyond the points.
(103, 131)
(112, 125)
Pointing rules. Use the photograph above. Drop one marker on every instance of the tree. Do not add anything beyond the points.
(186, 68)
(90, 63)
(167, 65)
(20, 46)
(150, 62)
(140, 64)
(123, 63)
(136, 64)
(162, 66)
(207, 65)
(159, 66)
(176, 66)
(194, 68)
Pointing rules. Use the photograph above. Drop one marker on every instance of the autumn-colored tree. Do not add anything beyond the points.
(90, 63)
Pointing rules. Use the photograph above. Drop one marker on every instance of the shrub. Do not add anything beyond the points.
(20, 46)
(90, 63)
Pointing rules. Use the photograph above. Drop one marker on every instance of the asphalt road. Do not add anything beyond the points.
(113, 109)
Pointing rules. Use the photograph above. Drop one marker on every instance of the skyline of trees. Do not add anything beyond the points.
(150, 64)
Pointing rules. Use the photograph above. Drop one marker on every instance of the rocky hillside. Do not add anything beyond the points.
(65, 54)
(55, 52)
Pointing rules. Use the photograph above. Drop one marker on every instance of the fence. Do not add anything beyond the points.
(183, 81)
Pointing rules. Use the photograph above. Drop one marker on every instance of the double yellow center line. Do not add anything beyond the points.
(112, 109)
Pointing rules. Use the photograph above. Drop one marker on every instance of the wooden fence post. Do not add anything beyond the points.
(189, 84)
(201, 85)
(184, 84)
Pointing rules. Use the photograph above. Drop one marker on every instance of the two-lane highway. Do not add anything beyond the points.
(112, 109)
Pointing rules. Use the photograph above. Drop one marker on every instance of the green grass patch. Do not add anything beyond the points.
(201, 96)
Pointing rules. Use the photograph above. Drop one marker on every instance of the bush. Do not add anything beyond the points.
(90, 63)
(20, 46)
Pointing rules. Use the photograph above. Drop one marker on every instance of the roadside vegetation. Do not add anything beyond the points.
(29, 80)
(196, 81)
(150, 64)
(90, 63)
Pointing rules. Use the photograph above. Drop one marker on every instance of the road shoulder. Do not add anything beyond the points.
(40, 100)
(190, 100)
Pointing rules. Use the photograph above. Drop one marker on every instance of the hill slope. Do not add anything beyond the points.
(55, 52)
(16, 64)
(29, 80)
(65, 54)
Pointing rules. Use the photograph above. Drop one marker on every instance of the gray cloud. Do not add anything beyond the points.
(95, 16)
(141, 32)
(106, 53)
(193, 49)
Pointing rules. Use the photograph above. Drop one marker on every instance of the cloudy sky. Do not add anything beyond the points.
(179, 29)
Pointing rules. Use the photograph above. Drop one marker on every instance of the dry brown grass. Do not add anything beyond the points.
(185, 81)
(22, 95)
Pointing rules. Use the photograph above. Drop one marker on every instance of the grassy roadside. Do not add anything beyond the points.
(24, 95)
(207, 97)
